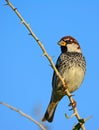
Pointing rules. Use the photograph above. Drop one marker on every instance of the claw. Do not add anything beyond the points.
(73, 105)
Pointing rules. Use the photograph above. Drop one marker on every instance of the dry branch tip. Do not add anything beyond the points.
(23, 114)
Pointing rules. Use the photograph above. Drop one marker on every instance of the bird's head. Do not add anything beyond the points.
(69, 44)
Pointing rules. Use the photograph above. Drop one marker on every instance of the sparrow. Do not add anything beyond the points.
(71, 65)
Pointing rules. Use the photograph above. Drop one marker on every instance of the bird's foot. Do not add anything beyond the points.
(73, 104)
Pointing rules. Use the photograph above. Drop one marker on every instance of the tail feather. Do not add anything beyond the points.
(50, 112)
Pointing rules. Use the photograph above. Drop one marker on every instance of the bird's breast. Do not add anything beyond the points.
(73, 77)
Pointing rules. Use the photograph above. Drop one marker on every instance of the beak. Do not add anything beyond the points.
(62, 43)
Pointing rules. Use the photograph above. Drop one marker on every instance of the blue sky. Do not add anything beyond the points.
(25, 76)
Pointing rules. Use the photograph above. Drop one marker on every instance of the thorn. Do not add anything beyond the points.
(6, 4)
(44, 54)
(50, 65)
(37, 40)
(73, 115)
(22, 21)
(69, 117)
(29, 34)
(28, 25)
(7, 1)
(87, 118)
(71, 95)
(15, 9)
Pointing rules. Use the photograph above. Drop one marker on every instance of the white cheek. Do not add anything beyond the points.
(73, 48)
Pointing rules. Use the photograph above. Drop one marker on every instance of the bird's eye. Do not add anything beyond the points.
(68, 42)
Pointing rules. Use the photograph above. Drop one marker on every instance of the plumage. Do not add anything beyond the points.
(72, 66)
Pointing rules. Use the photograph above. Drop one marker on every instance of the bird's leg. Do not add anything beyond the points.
(73, 102)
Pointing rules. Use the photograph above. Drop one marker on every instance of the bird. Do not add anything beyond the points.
(71, 65)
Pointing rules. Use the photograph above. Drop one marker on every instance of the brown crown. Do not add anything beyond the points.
(66, 38)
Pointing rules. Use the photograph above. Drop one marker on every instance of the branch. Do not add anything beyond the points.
(48, 57)
(23, 114)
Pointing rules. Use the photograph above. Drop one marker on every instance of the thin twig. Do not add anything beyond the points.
(46, 55)
(23, 114)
